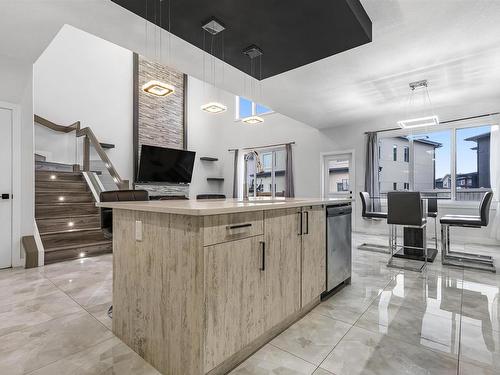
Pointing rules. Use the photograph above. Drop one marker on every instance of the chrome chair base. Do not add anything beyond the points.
(394, 248)
(374, 248)
(463, 259)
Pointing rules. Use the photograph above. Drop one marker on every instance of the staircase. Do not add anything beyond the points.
(66, 215)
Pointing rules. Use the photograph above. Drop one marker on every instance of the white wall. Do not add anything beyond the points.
(80, 77)
(213, 135)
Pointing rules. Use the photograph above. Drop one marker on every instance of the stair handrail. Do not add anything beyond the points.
(90, 139)
(58, 128)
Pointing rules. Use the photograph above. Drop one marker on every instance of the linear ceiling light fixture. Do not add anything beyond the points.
(215, 28)
(428, 118)
(253, 52)
(155, 87)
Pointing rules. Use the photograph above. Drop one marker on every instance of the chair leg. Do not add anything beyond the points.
(436, 233)
(456, 259)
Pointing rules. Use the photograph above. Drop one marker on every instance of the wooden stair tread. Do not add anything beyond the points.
(79, 245)
(71, 240)
(65, 231)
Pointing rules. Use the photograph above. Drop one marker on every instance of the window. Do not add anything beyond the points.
(265, 173)
(247, 108)
(432, 156)
(473, 163)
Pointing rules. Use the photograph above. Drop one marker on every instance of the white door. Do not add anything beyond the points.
(338, 175)
(5, 187)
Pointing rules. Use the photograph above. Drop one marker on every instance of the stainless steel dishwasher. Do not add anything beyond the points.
(338, 246)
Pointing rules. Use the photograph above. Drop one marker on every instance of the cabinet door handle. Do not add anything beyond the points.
(237, 226)
(306, 231)
(300, 223)
(263, 249)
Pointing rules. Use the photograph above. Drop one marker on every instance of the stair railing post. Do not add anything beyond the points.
(86, 154)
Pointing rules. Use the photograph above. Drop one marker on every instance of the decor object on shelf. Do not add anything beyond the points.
(427, 117)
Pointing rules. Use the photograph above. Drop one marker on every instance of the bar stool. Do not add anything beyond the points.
(369, 213)
(432, 212)
(406, 209)
(462, 259)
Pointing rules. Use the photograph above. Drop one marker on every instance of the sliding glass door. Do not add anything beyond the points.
(265, 173)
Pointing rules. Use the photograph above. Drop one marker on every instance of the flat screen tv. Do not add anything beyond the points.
(160, 164)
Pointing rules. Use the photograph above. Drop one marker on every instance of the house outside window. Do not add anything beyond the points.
(433, 155)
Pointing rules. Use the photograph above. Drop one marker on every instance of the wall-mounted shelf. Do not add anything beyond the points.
(107, 145)
(215, 178)
(208, 158)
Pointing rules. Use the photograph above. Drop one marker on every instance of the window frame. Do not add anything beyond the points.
(254, 106)
(406, 154)
(394, 152)
(452, 128)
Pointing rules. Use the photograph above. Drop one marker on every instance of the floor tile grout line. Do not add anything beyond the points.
(330, 352)
(77, 352)
(83, 308)
(69, 355)
(295, 355)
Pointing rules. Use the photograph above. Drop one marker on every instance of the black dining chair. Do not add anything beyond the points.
(369, 211)
(406, 209)
(432, 212)
(468, 260)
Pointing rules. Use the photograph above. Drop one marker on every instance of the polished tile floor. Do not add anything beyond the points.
(445, 321)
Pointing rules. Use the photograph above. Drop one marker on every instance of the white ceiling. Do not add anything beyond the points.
(454, 44)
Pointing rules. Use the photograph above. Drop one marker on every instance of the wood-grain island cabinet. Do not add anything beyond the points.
(199, 294)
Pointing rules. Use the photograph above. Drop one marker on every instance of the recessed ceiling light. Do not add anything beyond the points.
(214, 107)
(158, 88)
(252, 120)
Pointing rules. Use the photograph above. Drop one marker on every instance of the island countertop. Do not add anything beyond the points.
(207, 207)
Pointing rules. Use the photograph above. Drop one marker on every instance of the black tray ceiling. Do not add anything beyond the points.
(291, 33)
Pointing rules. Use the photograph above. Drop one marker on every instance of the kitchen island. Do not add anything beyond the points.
(198, 286)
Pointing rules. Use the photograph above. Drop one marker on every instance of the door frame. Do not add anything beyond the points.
(352, 184)
(15, 172)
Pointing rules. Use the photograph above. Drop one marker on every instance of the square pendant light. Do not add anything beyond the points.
(252, 120)
(158, 88)
(419, 122)
(214, 107)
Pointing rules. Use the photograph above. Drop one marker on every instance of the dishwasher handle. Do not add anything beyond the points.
(338, 210)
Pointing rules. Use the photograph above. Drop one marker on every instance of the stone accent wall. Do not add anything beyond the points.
(159, 121)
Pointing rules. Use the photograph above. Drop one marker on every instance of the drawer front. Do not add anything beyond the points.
(230, 227)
